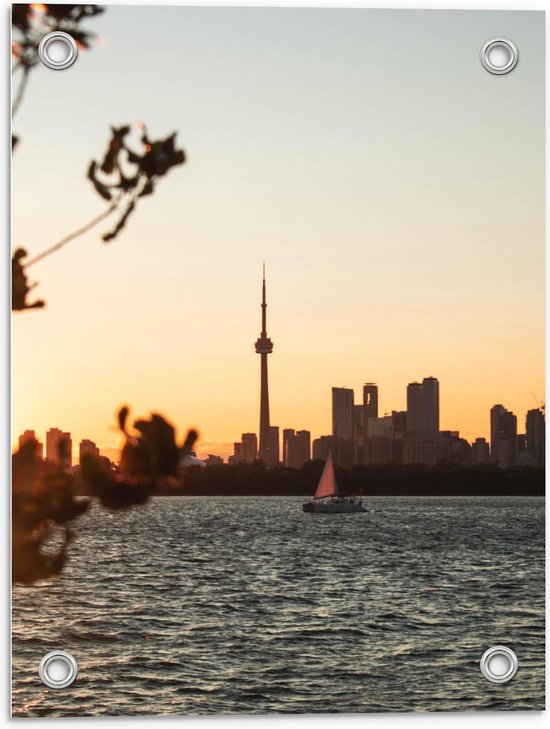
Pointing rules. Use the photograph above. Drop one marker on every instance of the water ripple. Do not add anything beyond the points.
(232, 606)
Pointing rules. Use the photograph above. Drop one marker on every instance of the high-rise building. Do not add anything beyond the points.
(53, 436)
(369, 410)
(410, 450)
(414, 408)
(480, 452)
(237, 456)
(298, 448)
(322, 447)
(264, 346)
(67, 460)
(274, 445)
(343, 429)
(451, 448)
(287, 434)
(430, 408)
(59, 447)
(249, 448)
(87, 448)
(535, 436)
(399, 449)
(399, 419)
(504, 432)
(370, 399)
(380, 440)
(358, 423)
(30, 435)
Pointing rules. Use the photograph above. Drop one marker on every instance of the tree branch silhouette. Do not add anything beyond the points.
(75, 234)
(20, 90)
(47, 497)
(127, 172)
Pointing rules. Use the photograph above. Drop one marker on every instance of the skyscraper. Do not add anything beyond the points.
(414, 408)
(343, 428)
(264, 346)
(287, 435)
(480, 451)
(87, 448)
(380, 440)
(273, 445)
(430, 408)
(322, 447)
(30, 435)
(370, 400)
(369, 410)
(504, 436)
(249, 447)
(237, 456)
(535, 436)
(297, 448)
(358, 422)
(56, 452)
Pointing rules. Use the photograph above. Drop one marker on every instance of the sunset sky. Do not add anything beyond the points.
(394, 188)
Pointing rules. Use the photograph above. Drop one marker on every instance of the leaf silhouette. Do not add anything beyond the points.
(20, 287)
(130, 173)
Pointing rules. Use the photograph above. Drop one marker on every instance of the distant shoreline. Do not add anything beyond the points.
(378, 480)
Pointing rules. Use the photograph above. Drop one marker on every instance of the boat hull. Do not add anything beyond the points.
(333, 507)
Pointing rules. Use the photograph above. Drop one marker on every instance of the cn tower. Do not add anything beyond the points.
(264, 346)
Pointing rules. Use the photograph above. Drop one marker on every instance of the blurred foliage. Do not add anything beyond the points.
(128, 172)
(47, 496)
(43, 498)
(31, 22)
(20, 287)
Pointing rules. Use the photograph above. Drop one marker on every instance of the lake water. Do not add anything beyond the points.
(246, 605)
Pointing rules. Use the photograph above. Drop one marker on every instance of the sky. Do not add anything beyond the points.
(394, 188)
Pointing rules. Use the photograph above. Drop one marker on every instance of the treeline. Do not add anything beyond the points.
(381, 480)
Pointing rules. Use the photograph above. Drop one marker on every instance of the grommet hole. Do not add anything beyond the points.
(499, 56)
(499, 665)
(58, 51)
(58, 670)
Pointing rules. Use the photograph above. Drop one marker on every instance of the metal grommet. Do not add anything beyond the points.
(57, 40)
(58, 669)
(510, 51)
(499, 664)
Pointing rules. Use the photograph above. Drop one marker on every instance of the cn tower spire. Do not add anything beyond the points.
(264, 346)
(264, 306)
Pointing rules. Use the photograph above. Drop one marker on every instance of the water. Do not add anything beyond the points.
(246, 605)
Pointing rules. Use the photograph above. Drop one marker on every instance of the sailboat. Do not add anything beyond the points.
(327, 499)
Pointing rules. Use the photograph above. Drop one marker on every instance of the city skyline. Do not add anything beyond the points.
(503, 447)
(401, 250)
(359, 434)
